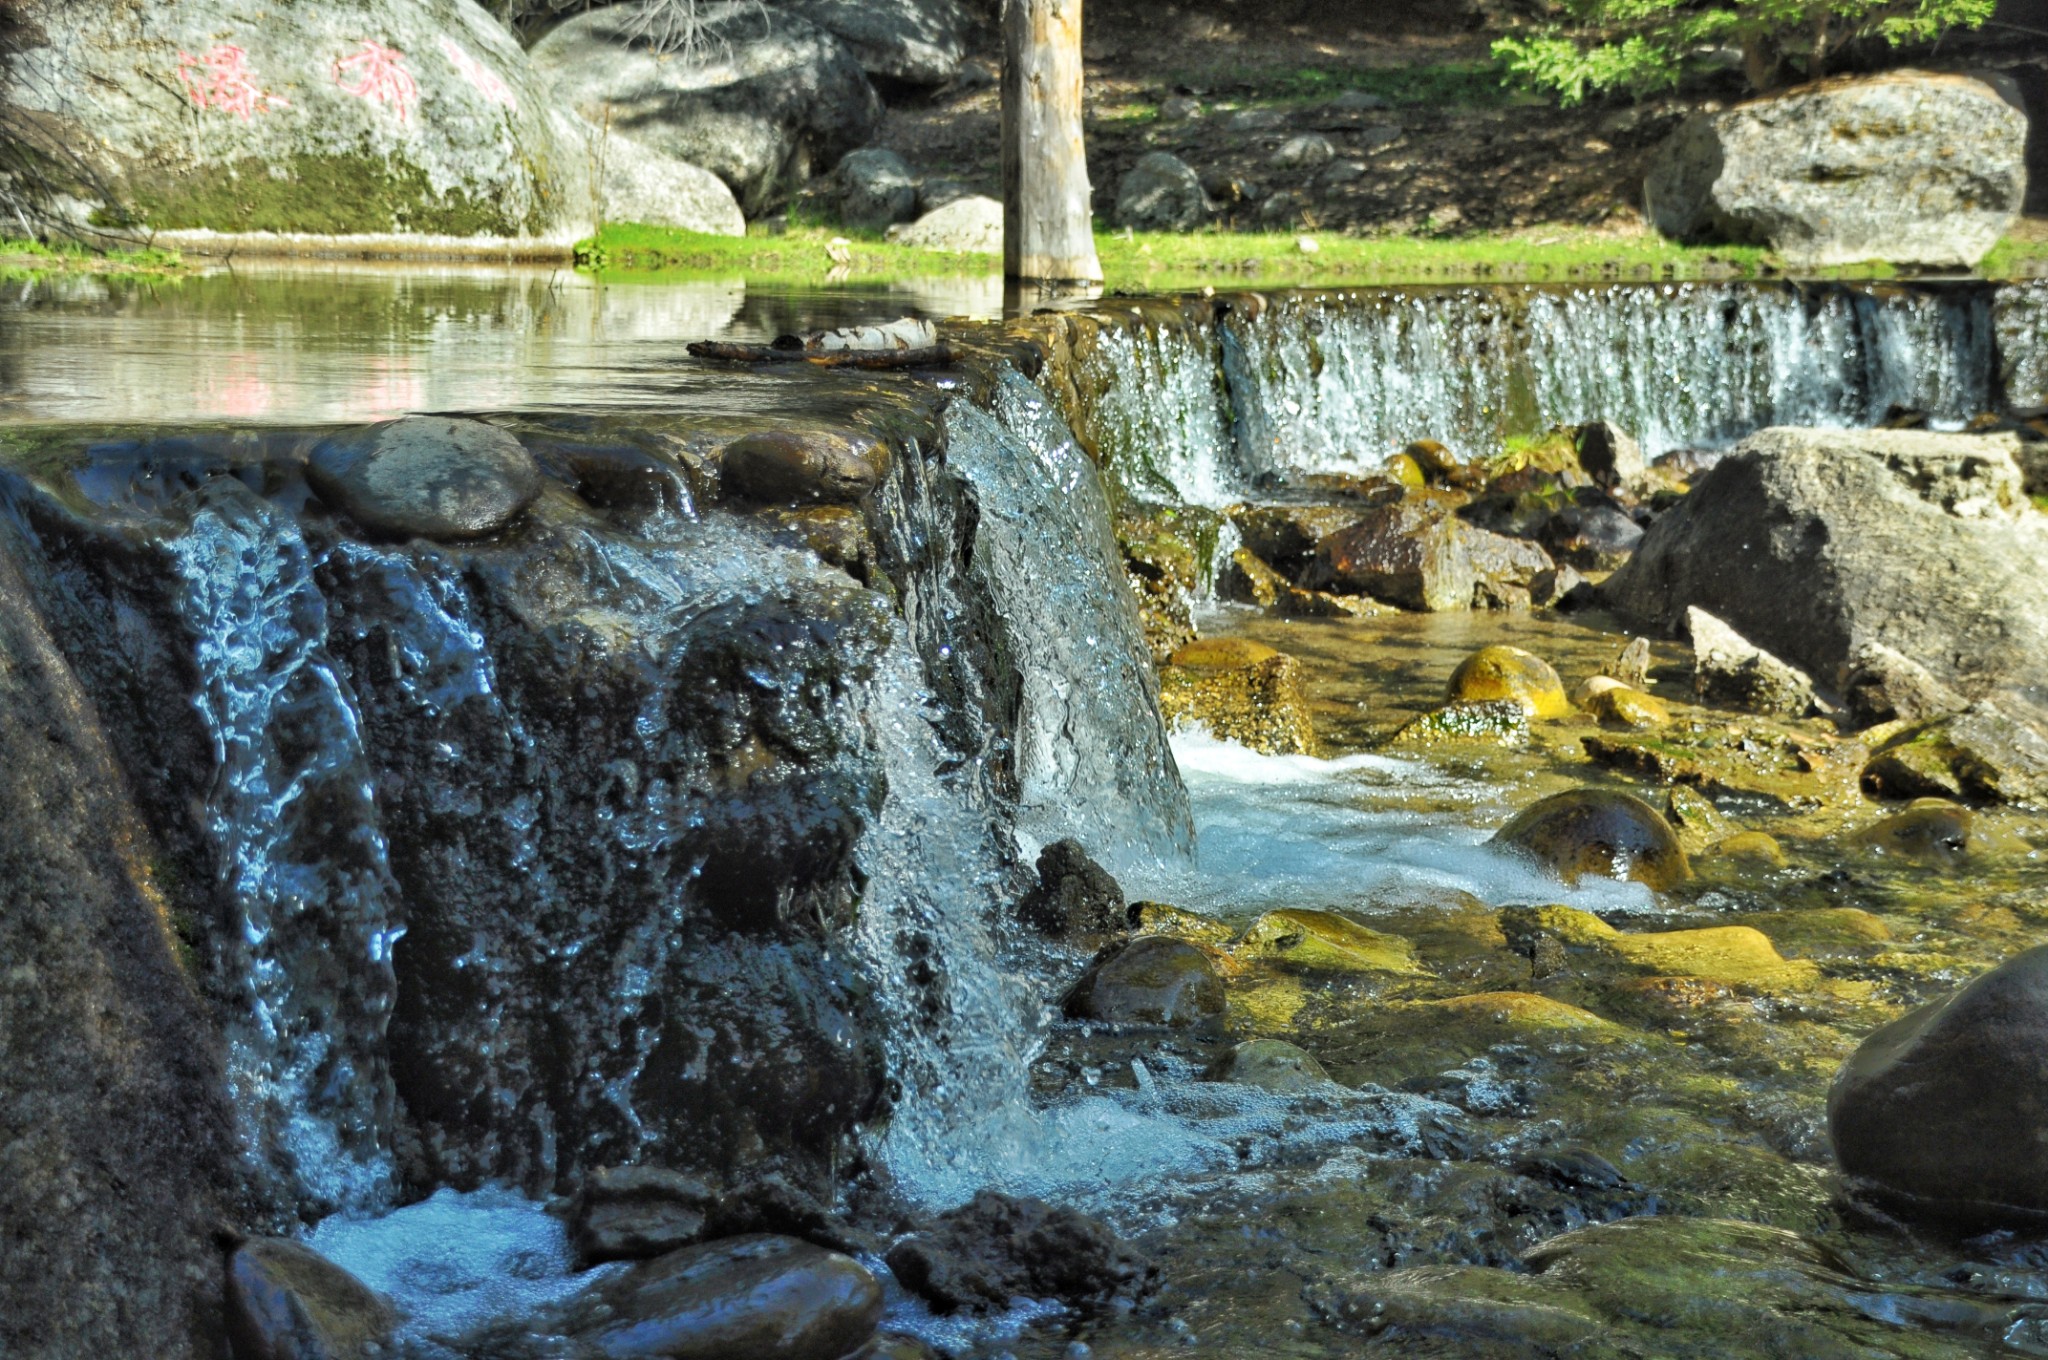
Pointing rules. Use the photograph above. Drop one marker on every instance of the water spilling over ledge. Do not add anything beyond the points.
(667, 827)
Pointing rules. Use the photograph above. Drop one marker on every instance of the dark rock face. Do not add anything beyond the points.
(287, 1302)
(1075, 895)
(1595, 538)
(118, 1144)
(805, 468)
(1943, 1107)
(769, 100)
(1150, 981)
(1813, 543)
(997, 1247)
(1598, 831)
(1909, 167)
(426, 477)
(571, 843)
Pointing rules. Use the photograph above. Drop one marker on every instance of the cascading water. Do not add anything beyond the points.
(1336, 382)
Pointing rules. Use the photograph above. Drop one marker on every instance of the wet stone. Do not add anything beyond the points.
(1629, 710)
(1602, 832)
(425, 477)
(1074, 895)
(763, 1297)
(287, 1302)
(1502, 722)
(998, 1247)
(1928, 831)
(1942, 1109)
(1153, 980)
(634, 1212)
(803, 467)
(1324, 941)
(1240, 691)
(1509, 673)
(1271, 1065)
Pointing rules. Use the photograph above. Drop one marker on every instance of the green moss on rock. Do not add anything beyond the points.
(326, 195)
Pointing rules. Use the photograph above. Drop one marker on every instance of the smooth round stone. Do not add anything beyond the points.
(1628, 709)
(1926, 831)
(803, 466)
(1509, 673)
(1943, 1108)
(426, 477)
(761, 1296)
(1271, 1065)
(287, 1302)
(1152, 980)
(1751, 849)
(1602, 832)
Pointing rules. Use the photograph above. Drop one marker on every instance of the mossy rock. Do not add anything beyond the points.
(1500, 722)
(1509, 673)
(1241, 691)
(1325, 942)
(1160, 918)
(1755, 849)
(1693, 815)
(1929, 831)
(1730, 954)
(1601, 832)
(1517, 1012)
(1618, 706)
(1823, 932)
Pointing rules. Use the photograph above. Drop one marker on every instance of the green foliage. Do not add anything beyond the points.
(1639, 46)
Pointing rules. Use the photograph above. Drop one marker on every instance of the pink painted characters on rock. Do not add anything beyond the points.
(220, 78)
(481, 78)
(377, 73)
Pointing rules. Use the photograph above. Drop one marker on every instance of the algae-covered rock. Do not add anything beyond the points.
(1271, 1065)
(1629, 710)
(1730, 954)
(348, 117)
(1698, 822)
(1164, 550)
(1501, 722)
(1980, 754)
(1160, 918)
(1323, 941)
(1598, 831)
(1516, 1011)
(1929, 831)
(1944, 1107)
(1749, 849)
(1501, 672)
(1823, 932)
(1153, 980)
(1240, 691)
(426, 477)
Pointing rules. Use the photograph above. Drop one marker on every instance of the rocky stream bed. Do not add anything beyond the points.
(1295, 824)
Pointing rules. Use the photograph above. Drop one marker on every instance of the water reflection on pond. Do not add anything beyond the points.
(347, 341)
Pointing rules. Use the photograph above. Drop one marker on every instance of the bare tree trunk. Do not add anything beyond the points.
(1048, 235)
(1760, 63)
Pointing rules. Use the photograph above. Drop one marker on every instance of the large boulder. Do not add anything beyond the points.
(354, 117)
(1418, 554)
(918, 42)
(652, 187)
(877, 189)
(1160, 193)
(762, 99)
(1909, 167)
(966, 226)
(1813, 543)
(1943, 1108)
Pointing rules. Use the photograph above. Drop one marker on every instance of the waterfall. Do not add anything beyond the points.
(301, 857)
(1336, 382)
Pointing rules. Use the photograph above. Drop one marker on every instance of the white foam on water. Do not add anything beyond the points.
(1290, 831)
(456, 1261)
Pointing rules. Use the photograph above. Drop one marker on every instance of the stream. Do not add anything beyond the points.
(653, 831)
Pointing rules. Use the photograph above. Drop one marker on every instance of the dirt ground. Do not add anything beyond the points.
(1424, 139)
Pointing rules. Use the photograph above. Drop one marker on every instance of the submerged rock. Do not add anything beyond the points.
(1271, 1065)
(1943, 1108)
(1153, 980)
(1728, 668)
(1499, 673)
(1502, 722)
(1911, 167)
(1074, 895)
(287, 1302)
(1930, 831)
(805, 467)
(633, 1212)
(763, 1297)
(426, 477)
(1598, 831)
(998, 1247)
(1324, 941)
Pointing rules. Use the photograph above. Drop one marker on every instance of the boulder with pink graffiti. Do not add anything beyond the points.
(350, 117)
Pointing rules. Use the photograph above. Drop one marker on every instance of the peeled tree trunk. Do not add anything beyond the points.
(1048, 234)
